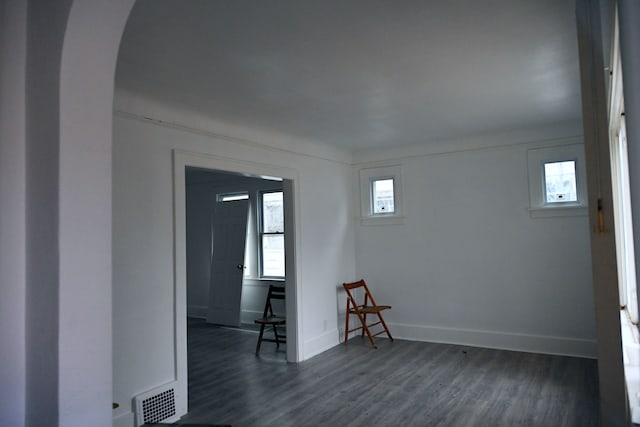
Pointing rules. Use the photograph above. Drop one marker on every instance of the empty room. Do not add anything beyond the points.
(468, 160)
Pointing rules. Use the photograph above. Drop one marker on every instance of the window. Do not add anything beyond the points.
(230, 197)
(625, 252)
(381, 195)
(560, 182)
(622, 217)
(271, 230)
(624, 233)
(557, 181)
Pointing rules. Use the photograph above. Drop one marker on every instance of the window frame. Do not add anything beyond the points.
(625, 251)
(537, 158)
(367, 176)
(262, 233)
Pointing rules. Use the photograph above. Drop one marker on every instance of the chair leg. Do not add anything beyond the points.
(371, 340)
(364, 322)
(260, 338)
(346, 328)
(275, 334)
(365, 328)
(384, 325)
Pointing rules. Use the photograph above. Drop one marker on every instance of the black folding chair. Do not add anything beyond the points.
(269, 319)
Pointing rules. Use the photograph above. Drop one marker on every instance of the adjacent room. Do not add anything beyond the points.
(433, 148)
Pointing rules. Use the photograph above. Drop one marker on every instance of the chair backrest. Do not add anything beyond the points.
(275, 292)
(351, 288)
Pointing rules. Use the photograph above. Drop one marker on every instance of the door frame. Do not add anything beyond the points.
(290, 177)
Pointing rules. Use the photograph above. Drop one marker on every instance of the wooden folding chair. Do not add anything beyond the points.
(369, 306)
(269, 319)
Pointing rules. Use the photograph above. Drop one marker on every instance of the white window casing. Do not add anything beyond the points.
(383, 207)
(271, 235)
(574, 204)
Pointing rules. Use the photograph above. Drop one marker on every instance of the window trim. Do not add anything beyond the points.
(625, 249)
(367, 176)
(537, 158)
(261, 233)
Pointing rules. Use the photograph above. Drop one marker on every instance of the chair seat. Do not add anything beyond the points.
(271, 320)
(370, 309)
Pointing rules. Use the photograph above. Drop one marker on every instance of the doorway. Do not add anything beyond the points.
(288, 178)
(230, 263)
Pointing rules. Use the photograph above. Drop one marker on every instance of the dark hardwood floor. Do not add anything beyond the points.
(402, 383)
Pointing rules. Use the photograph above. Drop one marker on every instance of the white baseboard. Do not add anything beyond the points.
(498, 340)
(127, 419)
(197, 311)
(320, 344)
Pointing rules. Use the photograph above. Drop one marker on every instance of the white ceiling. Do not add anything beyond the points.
(359, 73)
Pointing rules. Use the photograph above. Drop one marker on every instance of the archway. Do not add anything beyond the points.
(91, 42)
(88, 64)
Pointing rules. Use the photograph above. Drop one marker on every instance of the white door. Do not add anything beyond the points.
(229, 230)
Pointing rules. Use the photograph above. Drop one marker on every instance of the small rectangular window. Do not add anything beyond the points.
(382, 196)
(557, 180)
(230, 197)
(560, 182)
(272, 234)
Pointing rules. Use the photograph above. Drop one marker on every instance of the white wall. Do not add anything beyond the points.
(143, 240)
(13, 48)
(471, 266)
(46, 364)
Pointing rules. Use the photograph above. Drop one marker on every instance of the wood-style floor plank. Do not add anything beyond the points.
(402, 383)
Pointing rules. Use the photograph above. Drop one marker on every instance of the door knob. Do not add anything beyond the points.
(240, 267)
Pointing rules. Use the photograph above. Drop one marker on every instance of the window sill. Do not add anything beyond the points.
(558, 211)
(631, 357)
(382, 220)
